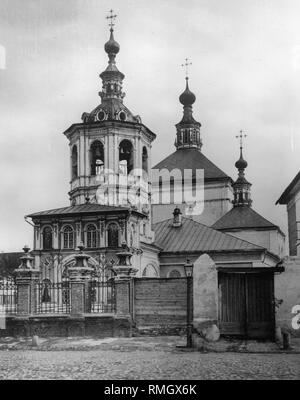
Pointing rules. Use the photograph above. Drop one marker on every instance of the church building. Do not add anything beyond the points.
(110, 155)
(105, 148)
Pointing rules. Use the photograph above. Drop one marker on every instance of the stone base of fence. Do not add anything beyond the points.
(100, 326)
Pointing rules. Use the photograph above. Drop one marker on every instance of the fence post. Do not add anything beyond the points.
(124, 273)
(80, 279)
(26, 279)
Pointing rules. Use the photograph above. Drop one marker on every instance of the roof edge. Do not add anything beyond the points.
(103, 123)
(284, 198)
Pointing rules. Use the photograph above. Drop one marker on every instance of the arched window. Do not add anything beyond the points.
(145, 159)
(47, 238)
(96, 155)
(46, 288)
(91, 236)
(186, 135)
(74, 162)
(132, 237)
(174, 274)
(113, 235)
(150, 272)
(68, 237)
(126, 154)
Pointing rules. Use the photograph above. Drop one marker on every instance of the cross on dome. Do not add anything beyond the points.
(241, 136)
(112, 18)
(186, 66)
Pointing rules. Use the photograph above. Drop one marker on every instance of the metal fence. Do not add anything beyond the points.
(8, 296)
(52, 298)
(102, 296)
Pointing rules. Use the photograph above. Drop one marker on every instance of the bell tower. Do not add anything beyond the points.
(110, 150)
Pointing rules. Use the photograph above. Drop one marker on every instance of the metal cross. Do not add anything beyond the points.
(112, 18)
(186, 65)
(241, 136)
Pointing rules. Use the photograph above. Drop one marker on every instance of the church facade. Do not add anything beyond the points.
(111, 192)
(105, 149)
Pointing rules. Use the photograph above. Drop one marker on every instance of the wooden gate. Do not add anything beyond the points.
(246, 304)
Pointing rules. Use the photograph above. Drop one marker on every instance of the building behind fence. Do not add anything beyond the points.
(86, 302)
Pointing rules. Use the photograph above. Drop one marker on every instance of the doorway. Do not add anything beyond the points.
(246, 304)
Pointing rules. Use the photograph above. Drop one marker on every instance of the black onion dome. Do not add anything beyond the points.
(241, 163)
(187, 98)
(112, 47)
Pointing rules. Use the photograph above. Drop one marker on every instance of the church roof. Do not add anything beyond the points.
(193, 236)
(79, 209)
(192, 159)
(243, 218)
(111, 109)
(290, 191)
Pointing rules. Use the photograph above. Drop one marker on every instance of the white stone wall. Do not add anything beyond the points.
(287, 290)
(217, 202)
(272, 240)
(293, 210)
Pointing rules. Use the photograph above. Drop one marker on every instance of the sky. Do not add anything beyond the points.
(245, 74)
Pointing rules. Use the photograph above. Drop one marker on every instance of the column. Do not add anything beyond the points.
(78, 238)
(80, 278)
(123, 282)
(26, 279)
(102, 231)
(56, 234)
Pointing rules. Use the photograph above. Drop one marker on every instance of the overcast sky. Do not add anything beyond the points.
(245, 74)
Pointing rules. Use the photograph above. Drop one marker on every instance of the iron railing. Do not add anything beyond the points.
(8, 296)
(102, 296)
(52, 298)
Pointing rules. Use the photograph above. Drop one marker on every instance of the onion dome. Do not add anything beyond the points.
(241, 163)
(112, 47)
(187, 98)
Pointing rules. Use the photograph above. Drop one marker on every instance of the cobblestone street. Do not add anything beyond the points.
(126, 360)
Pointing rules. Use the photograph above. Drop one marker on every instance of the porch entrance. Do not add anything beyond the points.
(246, 304)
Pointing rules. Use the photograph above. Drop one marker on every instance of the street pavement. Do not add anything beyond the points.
(148, 358)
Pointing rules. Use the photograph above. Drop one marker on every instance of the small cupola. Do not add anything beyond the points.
(241, 187)
(177, 218)
(188, 129)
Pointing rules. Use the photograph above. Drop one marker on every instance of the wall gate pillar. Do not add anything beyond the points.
(26, 278)
(124, 274)
(80, 278)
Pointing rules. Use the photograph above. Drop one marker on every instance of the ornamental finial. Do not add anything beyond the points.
(112, 18)
(241, 136)
(186, 66)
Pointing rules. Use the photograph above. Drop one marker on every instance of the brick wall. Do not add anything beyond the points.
(160, 305)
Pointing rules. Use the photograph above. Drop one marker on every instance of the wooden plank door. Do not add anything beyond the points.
(246, 306)
(260, 305)
(232, 304)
